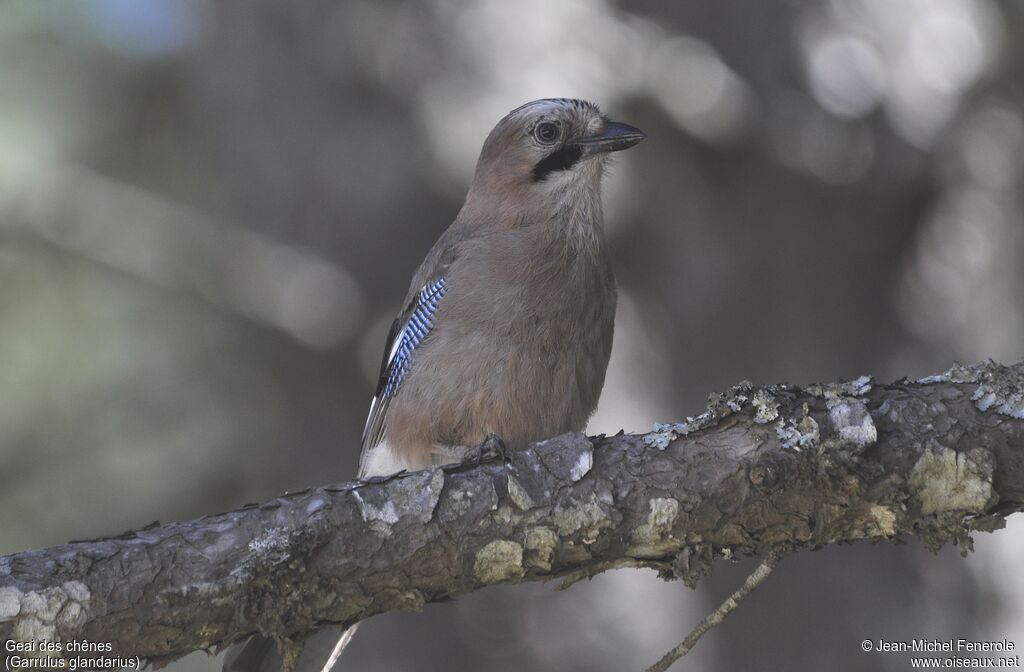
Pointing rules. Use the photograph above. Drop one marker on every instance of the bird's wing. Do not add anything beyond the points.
(408, 332)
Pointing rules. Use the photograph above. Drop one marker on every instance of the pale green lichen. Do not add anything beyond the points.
(958, 373)
(518, 494)
(798, 434)
(271, 540)
(1000, 388)
(28, 628)
(574, 515)
(849, 416)
(44, 604)
(852, 422)
(767, 409)
(39, 612)
(945, 480)
(434, 491)
(719, 406)
(499, 560)
(882, 522)
(419, 493)
(506, 515)
(665, 433)
(71, 617)
(411, 600)
(876, 522)
(653, 538)
(77, 591)
(379, 518)
(845, 388)
(415, 494)
(540, 544)
(582, 466)
(10, 603)
(460, 501)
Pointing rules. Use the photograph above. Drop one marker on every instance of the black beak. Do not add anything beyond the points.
(615, 137)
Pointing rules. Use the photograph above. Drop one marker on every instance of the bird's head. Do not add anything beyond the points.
(549, 149)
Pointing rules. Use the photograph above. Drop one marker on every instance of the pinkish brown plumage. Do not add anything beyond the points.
(519, 342)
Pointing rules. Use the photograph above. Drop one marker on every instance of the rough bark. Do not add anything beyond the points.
(765, 469)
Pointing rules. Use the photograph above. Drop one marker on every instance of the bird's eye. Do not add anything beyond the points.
(546, 132)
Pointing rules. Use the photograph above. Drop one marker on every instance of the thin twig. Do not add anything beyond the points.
(755, 579)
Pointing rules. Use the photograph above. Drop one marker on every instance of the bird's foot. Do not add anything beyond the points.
(492, 448)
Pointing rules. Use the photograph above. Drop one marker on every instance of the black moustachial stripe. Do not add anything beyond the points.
(560, 159)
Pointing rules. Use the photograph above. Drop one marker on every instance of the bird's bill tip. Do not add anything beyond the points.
(615, 137)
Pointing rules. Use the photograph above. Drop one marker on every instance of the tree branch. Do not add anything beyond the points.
(751, 583)
(764, 471)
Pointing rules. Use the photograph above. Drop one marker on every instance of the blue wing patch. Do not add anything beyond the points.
(420, 322)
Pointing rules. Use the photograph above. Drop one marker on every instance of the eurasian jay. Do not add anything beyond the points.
(507, 327)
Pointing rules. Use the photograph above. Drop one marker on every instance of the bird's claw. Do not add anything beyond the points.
(493, 448)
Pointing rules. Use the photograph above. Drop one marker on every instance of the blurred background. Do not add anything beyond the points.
(209, 213)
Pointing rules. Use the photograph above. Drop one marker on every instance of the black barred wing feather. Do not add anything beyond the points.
(402, 350)
(407, 333)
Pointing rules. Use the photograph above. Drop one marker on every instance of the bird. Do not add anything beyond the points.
(506, 330)
(507, 326)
